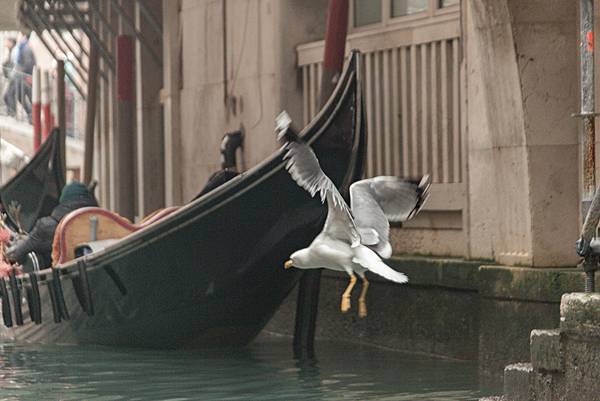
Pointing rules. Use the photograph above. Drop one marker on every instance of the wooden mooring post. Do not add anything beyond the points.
(90, 115)
(61, 111)
(36, 116)
(310, 283)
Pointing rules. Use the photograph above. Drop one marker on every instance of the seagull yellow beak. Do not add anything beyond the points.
(288, 264)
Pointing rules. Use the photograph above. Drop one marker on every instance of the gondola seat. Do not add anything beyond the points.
(76, 228)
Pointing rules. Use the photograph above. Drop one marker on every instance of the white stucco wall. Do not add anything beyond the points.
(8, 15)
(260, 75)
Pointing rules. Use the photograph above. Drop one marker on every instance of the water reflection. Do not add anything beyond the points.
(266, 370)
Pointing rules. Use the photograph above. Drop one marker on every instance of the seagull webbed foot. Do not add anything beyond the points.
(345, 306)
(362, 300)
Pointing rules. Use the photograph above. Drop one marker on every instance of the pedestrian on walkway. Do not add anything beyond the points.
(8, 66)
(25, 61)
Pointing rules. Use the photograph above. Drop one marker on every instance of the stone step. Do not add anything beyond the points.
(518, 382)
(580, 314)
(549, 386)
(546, 350)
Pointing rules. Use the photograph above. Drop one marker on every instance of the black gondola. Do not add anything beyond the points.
(212, 272)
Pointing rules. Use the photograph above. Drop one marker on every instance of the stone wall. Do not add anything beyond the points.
(437, 313)
(450, 308)
(565, 362)
(514, 301)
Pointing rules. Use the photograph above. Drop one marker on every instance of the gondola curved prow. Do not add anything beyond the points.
(233, 238)
(349, 81)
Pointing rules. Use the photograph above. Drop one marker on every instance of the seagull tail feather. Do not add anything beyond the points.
(370, 261)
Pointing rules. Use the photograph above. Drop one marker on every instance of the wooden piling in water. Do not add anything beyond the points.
(310, 284)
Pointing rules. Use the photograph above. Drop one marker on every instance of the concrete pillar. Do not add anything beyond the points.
(106, 183)
(46, 96)
(522, 142)
(497, 155)
(123, 166)
(61, 111)
(202, 107)
(547, 55)
(36, 111)
(114, 175)
(98, 159)
(149, 113)
(97, 156)
(171, 93)
(124, 140)
(90, 115)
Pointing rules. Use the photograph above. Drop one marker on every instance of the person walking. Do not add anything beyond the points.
(25, 61)
(8, 66)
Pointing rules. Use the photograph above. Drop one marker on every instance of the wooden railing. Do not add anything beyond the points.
(412, 93)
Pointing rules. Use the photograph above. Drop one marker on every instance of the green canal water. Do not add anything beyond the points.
(265, 370)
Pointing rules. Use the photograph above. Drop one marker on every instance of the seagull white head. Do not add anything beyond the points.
(300, 259)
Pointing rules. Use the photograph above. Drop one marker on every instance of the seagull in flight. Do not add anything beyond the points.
(355, 238)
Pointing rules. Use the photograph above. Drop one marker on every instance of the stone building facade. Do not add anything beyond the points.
(478, 94)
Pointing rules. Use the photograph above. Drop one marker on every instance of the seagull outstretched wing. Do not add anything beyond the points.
(304, 167)
(376, 201)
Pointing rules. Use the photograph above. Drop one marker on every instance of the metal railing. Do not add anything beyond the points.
(15, 101)
(16, 95)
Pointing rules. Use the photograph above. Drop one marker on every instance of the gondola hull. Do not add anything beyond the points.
(210, 274)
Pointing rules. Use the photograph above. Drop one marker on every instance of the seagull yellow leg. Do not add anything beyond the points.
(345, 307)
(362, 300)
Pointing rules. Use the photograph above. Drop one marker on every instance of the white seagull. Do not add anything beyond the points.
(353, 239)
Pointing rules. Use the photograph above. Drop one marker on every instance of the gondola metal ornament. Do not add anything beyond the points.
(36, 303)
(58, 290)
(85, 288)
(6, 309)
(16, 296)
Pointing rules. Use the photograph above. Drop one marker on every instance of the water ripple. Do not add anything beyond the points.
(266, 370)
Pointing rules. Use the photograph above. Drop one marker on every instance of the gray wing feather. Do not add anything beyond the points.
(399, 199)
(304, 167)
(376, 201)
